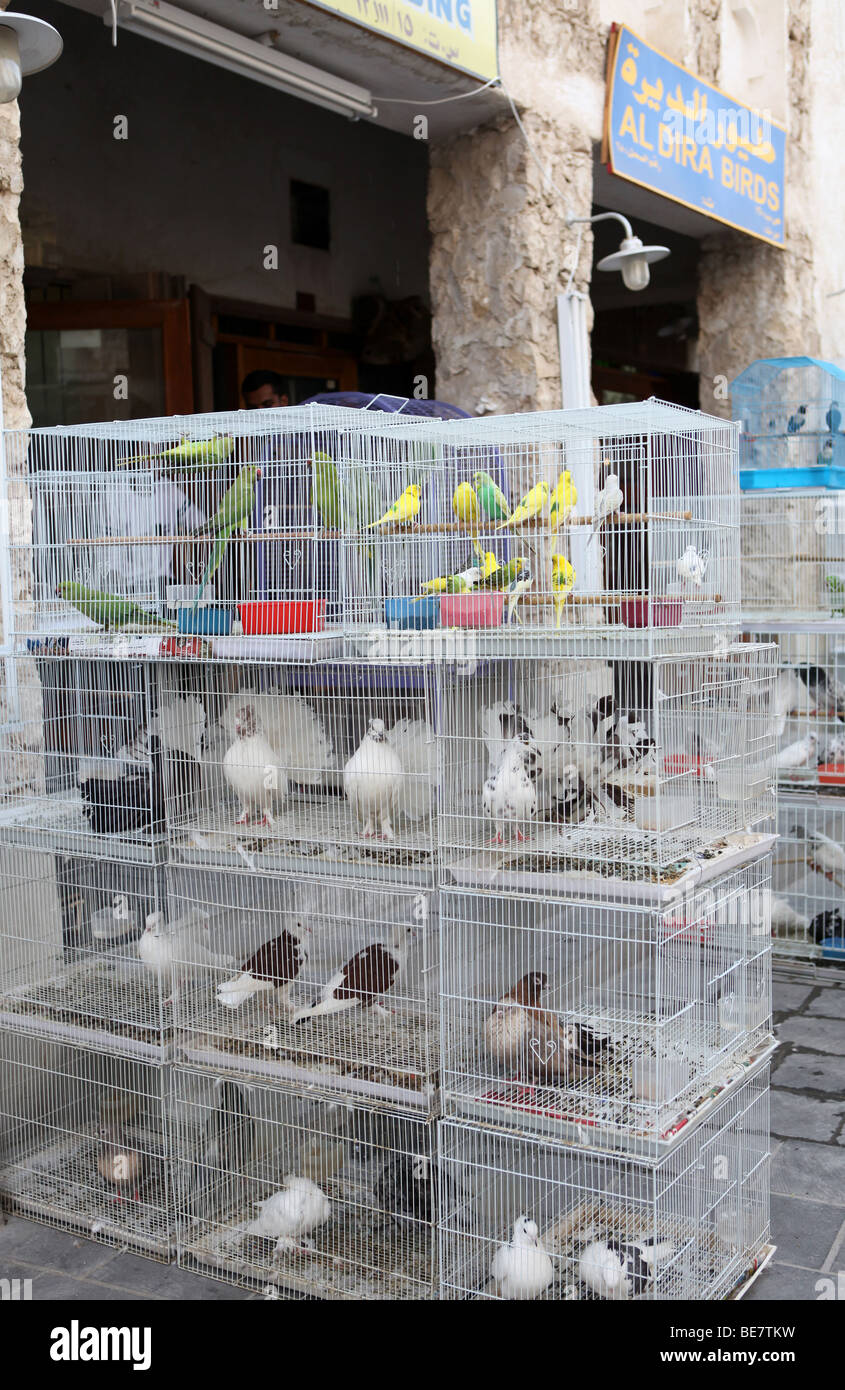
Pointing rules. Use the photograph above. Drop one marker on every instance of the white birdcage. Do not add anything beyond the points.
(808, 877)
(328, 768)
(793, 555)
(298, 1197)
(808, 709)
(70, 950)
(606, 778)
(627, 533)
(83, 1143)
(321, 984)
(522, 1219)
(614, 1028)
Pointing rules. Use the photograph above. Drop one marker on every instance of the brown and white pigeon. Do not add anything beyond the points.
(365, 977)
(271, 970)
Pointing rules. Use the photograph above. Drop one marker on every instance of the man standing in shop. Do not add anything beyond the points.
(264, 390)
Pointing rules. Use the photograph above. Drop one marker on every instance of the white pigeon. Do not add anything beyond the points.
(292, 729)
(175, 952)
(802, 753)
(834, 751)
(692, 566)
(416, 747)
(619, 1269)
(372, 780)
(823, 855)
(785, 918)
(522, 1269)
(509, 795)
(608, 502)
(251, 767)
(291, 1214)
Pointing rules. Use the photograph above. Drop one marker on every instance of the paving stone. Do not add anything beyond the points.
(810, 1170)
(168, 1281)
(830, 1002)
(44, 1246)
(822, 1034)
(784, 1283)
(806, 1231)
(62, 1288)
(809, 1071)
(804, 1117)
(789, 998)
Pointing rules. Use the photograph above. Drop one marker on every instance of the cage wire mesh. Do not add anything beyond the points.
(614, 1029)
(793, 555)
(790, 410)
(330, 769)
(326, 985)
(522, 1219)
(84, 1143)
(808, 710)
(608, 776)
(808, 877)
(299, 1197)
(71, 962)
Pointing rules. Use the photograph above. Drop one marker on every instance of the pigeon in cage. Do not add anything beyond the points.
(372, 780)
(533, 1041)
(119, 1163)
(827, 924)
(175, 952)
(508, 1027)
(269, 972)
(500, 724)
(128, 801)
(802, 753)
(785, 919)
(823, 855)
(291, 1214)
(414, 743)
(252, 769)
(404, 1189)
(618, 1269)
(227, 1147)
(825, 691)
(834, 750)
(522, 1268)
(509, 794)
(364, 979)
(291, 727)
(608, 502)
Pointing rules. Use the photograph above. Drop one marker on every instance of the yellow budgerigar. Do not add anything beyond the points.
(531, 505)
(405, 508)
(563, 582)
(563, 501)
(465, 504)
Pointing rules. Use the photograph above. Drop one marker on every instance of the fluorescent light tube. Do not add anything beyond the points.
(202, 39)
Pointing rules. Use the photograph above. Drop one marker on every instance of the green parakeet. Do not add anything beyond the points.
(231, 516)
(188, 453)
(491, 499)
(107, 609)
(325, 491)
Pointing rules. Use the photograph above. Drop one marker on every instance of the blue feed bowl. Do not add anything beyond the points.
(210, 620)
(412, 612)
(833, 948)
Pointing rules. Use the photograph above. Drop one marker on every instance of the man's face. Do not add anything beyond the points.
(264, 398)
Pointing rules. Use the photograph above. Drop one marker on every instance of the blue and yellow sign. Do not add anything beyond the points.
(461, 33)
(669, 131)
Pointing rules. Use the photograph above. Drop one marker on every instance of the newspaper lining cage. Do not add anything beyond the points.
(522, 1219)
(791, 411)
(328, 768)
(793, 555)
(295, 1196)
(808, 877)
(74, 957)
(614, 1027)
(326, 985)
(563, 525)
(602, 777)
(83, 1143)
(184, 527)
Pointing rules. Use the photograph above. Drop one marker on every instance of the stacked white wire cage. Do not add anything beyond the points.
(388, 803)
(792, 452)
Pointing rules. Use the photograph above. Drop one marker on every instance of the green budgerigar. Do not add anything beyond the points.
(109, 610)
(491, 499)
(232, 515)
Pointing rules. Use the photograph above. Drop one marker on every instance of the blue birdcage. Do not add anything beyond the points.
(792, 411)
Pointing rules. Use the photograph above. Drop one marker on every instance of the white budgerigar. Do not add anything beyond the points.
(802, 753)
(619, 1269)
(522, 1269)
(373, 779)
(692, 566)
(176, 951)
(252, 769)
(509, 794)
(291, 1214)
(608, 502)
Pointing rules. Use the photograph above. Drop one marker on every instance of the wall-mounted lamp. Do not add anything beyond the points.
(27, 45)
(632, 259)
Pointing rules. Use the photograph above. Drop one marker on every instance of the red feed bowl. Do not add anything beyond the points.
(283, 615)
(832, 774)
(655, 612)
(471, 610)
